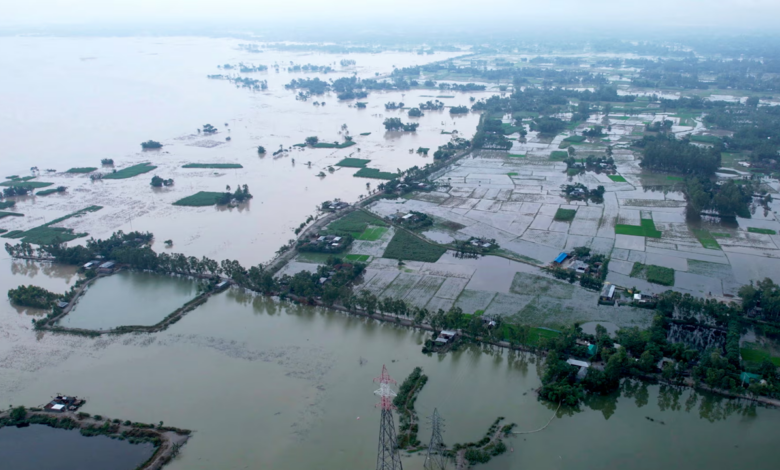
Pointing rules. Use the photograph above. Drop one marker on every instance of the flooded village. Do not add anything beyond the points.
(529, 230)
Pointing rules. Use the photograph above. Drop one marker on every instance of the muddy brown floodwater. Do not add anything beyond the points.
(113, 94)
(264, 384)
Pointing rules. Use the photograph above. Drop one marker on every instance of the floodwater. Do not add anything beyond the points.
(129, 298)
(39, 447)
(271, 385)
(111, 94)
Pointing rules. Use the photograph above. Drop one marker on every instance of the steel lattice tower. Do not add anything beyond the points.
(387, 455)
(436, 460)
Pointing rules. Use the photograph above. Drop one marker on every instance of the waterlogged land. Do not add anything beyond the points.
(258, 379)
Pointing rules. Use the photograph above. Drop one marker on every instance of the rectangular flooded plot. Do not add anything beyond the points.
(525, 283)
(401, 285)
(379, 283)
(424, 290)
(129, 298)
(472, 300)
(507, 304)
(451, 288)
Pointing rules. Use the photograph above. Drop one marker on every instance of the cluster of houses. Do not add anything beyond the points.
(102, 267)
(63, 403)
(569, 261)
(334, 206)
(325, 243)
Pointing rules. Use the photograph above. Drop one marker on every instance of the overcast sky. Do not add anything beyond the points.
(729, 14)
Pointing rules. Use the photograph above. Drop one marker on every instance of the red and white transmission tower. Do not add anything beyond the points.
(387, 455)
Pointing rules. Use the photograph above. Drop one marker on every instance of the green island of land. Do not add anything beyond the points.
(130, 171)
(220, 166)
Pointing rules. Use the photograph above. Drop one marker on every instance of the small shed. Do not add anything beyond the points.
(561, 257)
(607, 293)
(62, 304)
(747, 378)
(89, 265)
(222, 284)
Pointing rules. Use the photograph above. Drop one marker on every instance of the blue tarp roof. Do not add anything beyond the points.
(561, 257)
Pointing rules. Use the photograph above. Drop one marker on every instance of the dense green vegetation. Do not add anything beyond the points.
(88, 169)
(46, 234)
(7, 204)
(213, 165)
(565, 215)
(334, 145)
(395, 124)
(375, 174)
(355, 223)
(653, 273)
(158, 182)
(407, 415)
(33, 296)
(666, 153)
(407, 247)
(727, 199)
(201, 198)
(4, 214)
(353, 162)
(706, 239)
(26, 185)
(765, 231)
(46, 192)
(490, 135)
(151, 145)
(617, 178)
(130, 171)
(645, 229)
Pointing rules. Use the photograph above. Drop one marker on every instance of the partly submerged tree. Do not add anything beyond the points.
(260, 149)
(149, 145)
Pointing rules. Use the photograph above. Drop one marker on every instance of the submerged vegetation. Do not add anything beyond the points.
(130, 171)
(46, 234)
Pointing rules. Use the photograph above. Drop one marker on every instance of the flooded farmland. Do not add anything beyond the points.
(258, 379)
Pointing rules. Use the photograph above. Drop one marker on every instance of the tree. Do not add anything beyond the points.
(18, 414)
(312, 140)
(209, 129)
(260, 149)
(415, 112)
(157, 181)
(150, 145)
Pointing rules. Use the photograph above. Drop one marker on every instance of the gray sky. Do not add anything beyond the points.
(731, 14)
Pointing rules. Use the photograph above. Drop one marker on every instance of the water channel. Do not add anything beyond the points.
(273, 385)
(39, 447)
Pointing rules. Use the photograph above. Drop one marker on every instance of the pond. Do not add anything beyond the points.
(39, 447)
(129, 298)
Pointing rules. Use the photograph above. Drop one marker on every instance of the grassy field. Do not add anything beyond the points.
(26, 184)
(407, 247)
(218, 166)
(4, 214)
(706, 239)
(575, 138)
(372, 234)
(365, 133)
(375, 174)
(353, 163)
(720, 235)
(357, 258)
(355, 223)
(646, 229)
(326, 145)
(512, 173)
(559, 155)
(130, 171)
(675, 178)
(516, 155)
(84, 169)
(765, 231)
(199, 199)
(565, 215)
(46, 234)
(757, 354)
(655, 274)
(617, 178)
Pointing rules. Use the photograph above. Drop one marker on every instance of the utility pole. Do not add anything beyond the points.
(435, 459)
(387, 454)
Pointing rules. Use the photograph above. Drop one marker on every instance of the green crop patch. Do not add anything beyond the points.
(7, 204)
(46, 234)
(372, 234)
(565, 215)
(26, 184)
(85, 169)
(516, 155)
(130, 171)
(721, 235)
(4, 214)
(645, 229)
(765, 231)
(375, 174)
(758, 355)
(407, 247)
(617, 178)
(217, 166)
(200, 199)
(46, 192)
(357, 258)
(353, 162)
(365, 133)
(559, 155)
(327, 145)
(575, 138)
(512, 173)
(655, 274)
(355, 223)
(706, 239)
